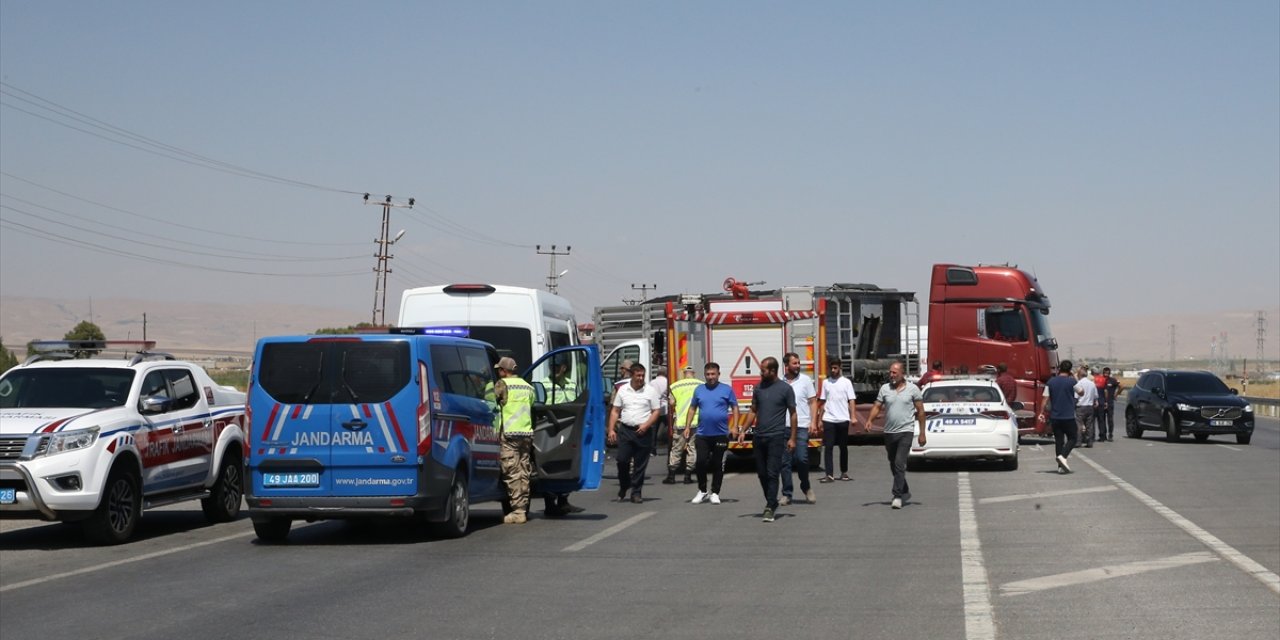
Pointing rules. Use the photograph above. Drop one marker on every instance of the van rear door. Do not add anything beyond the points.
(374, 414)
(289, 396)
(568, 419)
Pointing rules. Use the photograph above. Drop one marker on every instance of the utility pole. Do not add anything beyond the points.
(644, 290)
(553, 277)
(144, 327)
(1173, 343)
(1109, 352)
(381, 269)
(1261, 321)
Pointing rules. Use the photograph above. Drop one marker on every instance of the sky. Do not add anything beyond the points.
(1127, 153)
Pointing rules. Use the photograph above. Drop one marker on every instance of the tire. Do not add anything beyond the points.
(1131, 426)
(273, 530)
(459, 509)
(1011, 463)
(915, 464)
(1243, 438)
(223, 503)
(1171, 432)
(117, 515)
(1201, 437)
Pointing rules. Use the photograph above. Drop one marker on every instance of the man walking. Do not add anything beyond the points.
(515, 397)
(773, 403)
(635, 410)
(660, 385)
(836, 410)
(806, 408)
(683, 454)
(1061, 408)
(1008, 385)
(1107, 402)
(903, 405)
(714, 407)
(1086, 406)
(934, 373)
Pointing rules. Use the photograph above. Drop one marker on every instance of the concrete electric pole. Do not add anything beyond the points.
(382, 268)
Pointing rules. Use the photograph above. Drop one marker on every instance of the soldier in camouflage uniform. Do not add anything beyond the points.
(515, 398)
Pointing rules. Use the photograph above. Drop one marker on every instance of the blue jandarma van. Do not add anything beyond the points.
(399, 425)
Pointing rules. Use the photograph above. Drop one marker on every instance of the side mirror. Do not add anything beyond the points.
(539, 393)
(1159, 391)
(1234, 392)
(151, 405)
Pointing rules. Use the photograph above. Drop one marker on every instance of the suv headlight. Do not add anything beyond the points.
(1248, 408)
(1187, 408)
(71, 440)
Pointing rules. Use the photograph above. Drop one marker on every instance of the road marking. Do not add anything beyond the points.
(1224, 446)
(1046, 494)
(116, 563)
(1022, 587)
(583, 544)
(1245, 563)
(979, 622)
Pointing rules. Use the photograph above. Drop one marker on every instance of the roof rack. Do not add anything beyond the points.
(71, 349)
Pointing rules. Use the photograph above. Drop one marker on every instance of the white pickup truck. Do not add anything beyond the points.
(99, 440)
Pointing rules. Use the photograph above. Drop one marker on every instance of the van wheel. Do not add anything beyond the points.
(1131, 426)
(117, 515)
(273, 530)
(223, 503)
(1171, 432)
(459, 506)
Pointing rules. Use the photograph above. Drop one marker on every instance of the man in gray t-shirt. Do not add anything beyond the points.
(903, 405)
(773, 414)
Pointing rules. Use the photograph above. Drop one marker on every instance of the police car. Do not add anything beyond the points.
(98, 440)
(968, 418)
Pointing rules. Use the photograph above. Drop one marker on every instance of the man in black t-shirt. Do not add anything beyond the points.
(773, 415)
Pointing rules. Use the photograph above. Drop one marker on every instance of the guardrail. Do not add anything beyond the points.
(1264, 406)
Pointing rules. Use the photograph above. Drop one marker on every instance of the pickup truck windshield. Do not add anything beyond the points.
(65, 388)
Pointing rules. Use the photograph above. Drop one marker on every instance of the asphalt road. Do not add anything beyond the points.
(1146, 540)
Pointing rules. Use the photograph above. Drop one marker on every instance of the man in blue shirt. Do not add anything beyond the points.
(717, 409)
(1061, 407)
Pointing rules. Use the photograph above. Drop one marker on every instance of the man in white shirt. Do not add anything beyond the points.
(660, 386)
(836, 410)
(1086, 405)
(635, 410)
(806, 408)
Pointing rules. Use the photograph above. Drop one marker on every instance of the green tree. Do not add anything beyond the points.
(7, 359)
(85, 331)
(345, 330)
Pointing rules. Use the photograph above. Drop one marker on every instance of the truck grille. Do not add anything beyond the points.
(1221, 413)
(11, 447)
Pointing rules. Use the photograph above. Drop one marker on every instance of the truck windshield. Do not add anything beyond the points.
(1040, 325)
(79, 388)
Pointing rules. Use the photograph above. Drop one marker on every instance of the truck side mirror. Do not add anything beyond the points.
(151, 405)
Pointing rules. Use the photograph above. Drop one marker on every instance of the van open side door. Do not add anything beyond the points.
(568, 420)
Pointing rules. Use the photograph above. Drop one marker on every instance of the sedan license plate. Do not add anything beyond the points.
(282, 480)
(8, 496)
(1220, 423)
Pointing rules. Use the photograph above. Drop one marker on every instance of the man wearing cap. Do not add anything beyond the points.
(635, 410)
(683, 454)
(515, 399)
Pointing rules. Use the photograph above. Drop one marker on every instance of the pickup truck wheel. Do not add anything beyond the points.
(1171, 432)
(1131, 426)
(223, 503)
(273, 530)
(117, 515)
(1243, 438)
(459, 506)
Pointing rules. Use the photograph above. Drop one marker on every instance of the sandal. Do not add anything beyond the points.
(826, 479)
(844, 477)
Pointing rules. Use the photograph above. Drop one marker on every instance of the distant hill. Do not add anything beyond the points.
(234, 327)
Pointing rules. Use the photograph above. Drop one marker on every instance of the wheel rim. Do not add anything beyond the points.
(231, 488)
(120, 508)
(461, 510)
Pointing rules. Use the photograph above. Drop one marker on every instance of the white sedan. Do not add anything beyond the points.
(968, 419)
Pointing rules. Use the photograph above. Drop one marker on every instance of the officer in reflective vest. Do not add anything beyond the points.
(683, 454)
(515, 397)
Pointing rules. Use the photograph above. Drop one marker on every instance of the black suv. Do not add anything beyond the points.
(1179, 402)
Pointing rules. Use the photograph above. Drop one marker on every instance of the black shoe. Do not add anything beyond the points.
(570, 508)
(622, 496)
(670, 479)
(688, 479)
(555, 511)
(636, 499)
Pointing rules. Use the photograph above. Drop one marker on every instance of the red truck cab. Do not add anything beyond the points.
(980, 316)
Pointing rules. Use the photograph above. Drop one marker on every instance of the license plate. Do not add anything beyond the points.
(8, 496)
(279, 480)
(959, 421)
(1220, 423)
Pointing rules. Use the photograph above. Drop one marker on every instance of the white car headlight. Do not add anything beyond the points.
(1186, 407)
(71, 440)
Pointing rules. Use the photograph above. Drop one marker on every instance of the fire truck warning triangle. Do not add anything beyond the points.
(747, 365)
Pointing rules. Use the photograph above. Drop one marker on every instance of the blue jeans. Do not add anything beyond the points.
(799, 460)
(769, 451)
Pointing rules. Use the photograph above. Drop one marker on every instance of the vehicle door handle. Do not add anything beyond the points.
(177, 428)
(355, 425)
(207, 423)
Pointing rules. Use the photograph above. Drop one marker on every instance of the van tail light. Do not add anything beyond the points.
(424, 411)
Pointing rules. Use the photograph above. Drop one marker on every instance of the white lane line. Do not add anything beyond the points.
(583, 544)
(1046, 494)
(1022, 587)
(979, 620)
(1245, 563)
(1224, 446)
(116, 563)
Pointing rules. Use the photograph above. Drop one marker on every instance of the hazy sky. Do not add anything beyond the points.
(1126, 152)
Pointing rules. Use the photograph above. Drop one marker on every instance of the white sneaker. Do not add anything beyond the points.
(1062, 464)
(897, 503)
(699, 498)
(715, 498)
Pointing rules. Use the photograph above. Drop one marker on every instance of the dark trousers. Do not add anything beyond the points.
(633, 459)
(658, 429)
(711, 450)
(1064, 436)
(797, 459)
(769, 451)
(835, 434)
(898, 446)
(1106, 419)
